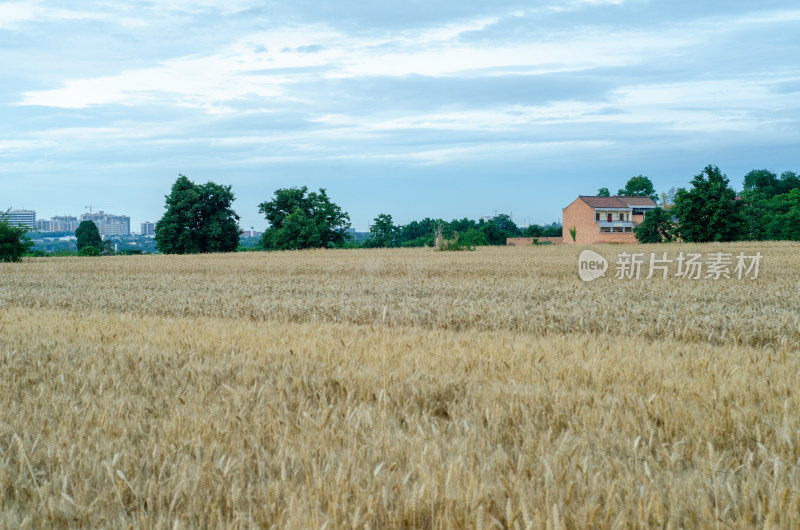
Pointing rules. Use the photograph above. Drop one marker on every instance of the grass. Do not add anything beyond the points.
(397, 388)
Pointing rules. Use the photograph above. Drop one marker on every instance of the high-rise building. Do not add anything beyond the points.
(64, 223)
(148, 228)
(59, 223)
(22, 217)
(108, 224)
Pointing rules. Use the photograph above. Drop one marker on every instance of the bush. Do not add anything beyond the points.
(14, 242)
(442, 243)
(89, 251)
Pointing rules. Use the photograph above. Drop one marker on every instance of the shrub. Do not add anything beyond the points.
(89, 251)
(14, 242)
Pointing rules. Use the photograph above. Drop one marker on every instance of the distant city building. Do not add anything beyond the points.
(108, 224)
(59, 223)
(22, 217)
(148, 229)
(64, 223)
(250, 233)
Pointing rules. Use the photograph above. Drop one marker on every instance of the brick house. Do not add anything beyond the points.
(604, 219)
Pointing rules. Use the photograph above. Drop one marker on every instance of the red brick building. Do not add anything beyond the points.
(604, 219)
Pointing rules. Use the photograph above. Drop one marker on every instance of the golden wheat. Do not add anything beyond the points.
(397, 388)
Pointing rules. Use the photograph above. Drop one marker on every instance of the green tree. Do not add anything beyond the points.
(419, 233)
(551, 230)
(603, 192)
(764, 184)
(499, 228)
(14, 241)
(383, 232)
(507, 225)
(789, 181)
(108, 248)
(657, 227)
(199, 219)
(299, 220)
(89, 251)
(533, 231)
(709, 211)
(784, 218)
(639, 186)
(462, 226)
(764, 211)
(760, 184)
(89, 236)
(473, 238)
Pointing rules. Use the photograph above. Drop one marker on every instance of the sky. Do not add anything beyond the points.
(438, 108)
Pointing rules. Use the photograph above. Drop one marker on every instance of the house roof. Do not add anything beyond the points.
(617, 201)
(638, 201)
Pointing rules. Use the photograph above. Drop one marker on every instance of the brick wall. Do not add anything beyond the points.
(526, 241)
(581, 216)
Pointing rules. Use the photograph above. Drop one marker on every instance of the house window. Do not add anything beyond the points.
(622, 217)
(609, 217)
(597, 216)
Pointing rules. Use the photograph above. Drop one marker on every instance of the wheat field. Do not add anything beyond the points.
(402, 388)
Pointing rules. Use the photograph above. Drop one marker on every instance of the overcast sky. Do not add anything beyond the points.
(437, 108)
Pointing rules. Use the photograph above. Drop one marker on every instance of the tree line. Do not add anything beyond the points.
(468, 232)
(199, 218)
(767, 208)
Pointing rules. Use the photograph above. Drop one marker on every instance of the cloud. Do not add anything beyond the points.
(212, 81)
(345, 91)
(18, 15)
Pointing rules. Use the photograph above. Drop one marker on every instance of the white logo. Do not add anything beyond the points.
(591, 265)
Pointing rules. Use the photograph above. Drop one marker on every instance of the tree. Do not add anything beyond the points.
(532, 231)
(462, 226)
(639, 186)
(507, 225)
(14, 242)
(784, 218)
(603, 192)
(499, 228)
(89, 251)
(765, 198)
(199, 219)
(789, 181)
(710, 210)
(761, 184)
(383, 232)
(667, 198)
(657, 227)
(473, 238)
(89, 236)
(299, 220)
(551, 230)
